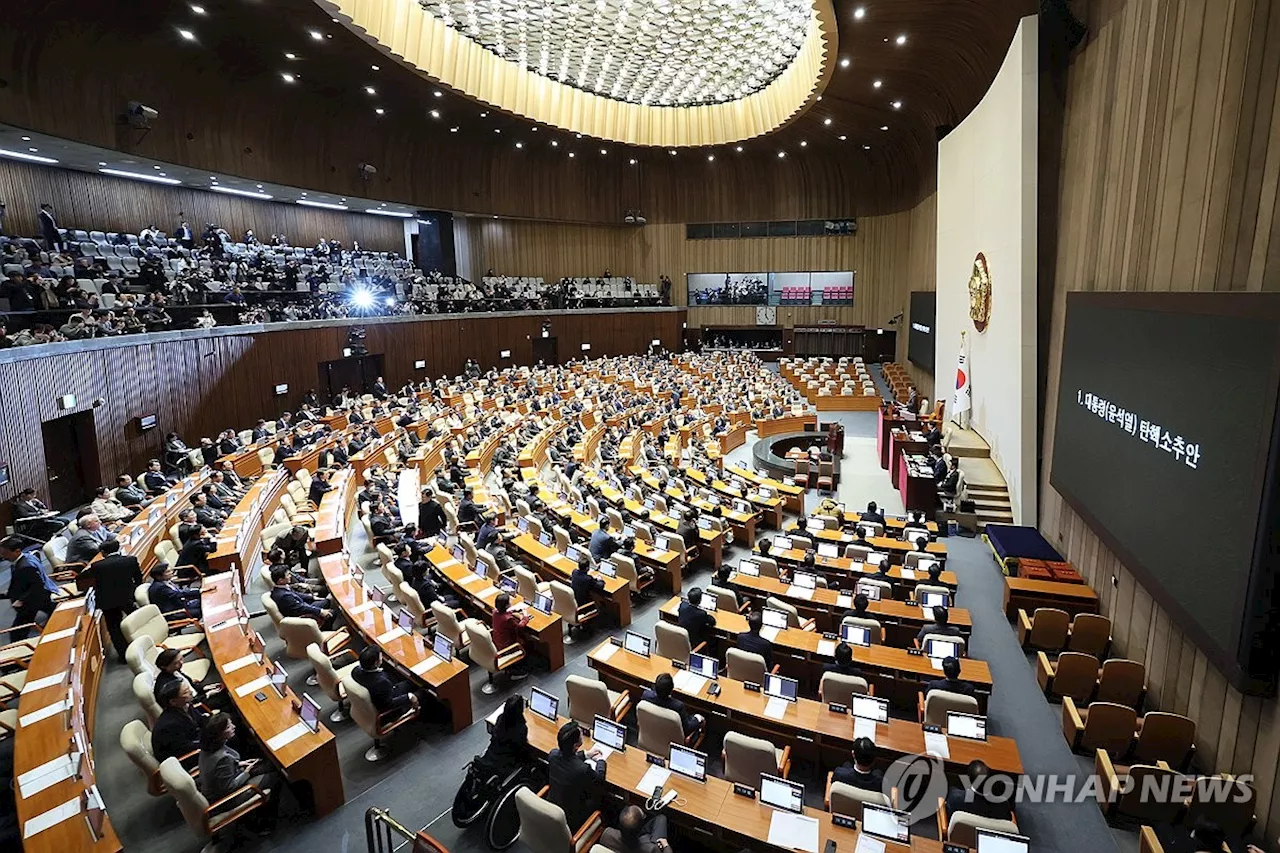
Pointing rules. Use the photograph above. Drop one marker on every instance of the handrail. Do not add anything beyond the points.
(385, 835)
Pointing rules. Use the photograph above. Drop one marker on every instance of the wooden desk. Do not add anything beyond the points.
(898, 674)
(901, 441)
(809, 727)
(891, 522)
(553, 565)
(309, 762)
(770, 508)
(246, 462)
(916, 483)
(887, 420)
(845, 572)
(743, 524)
(241, 536)
(332, 514)
(449, 682)
(1029, 594)
(139, 537)
(545, 632)
(791, 423)
(792, 494)
(38, 743)
(733, 438)
(709, 809)
(898, 548)
(901, 621)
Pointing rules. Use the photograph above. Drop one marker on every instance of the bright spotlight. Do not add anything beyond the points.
(390, 301)
(362, 299)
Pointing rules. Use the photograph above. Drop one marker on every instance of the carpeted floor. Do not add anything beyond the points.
(417, 784)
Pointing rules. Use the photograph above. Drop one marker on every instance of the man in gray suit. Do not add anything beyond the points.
(84, 545)
(637, 835)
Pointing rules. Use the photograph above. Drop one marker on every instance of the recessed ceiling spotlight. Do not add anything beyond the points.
(375, 68)
(497, 130)
(672, 152)
(866, 148)
(34, 150)
(187, 34)
(826, 121)
(259, 186)
(781, 154)
(438, 93)
(519, 144)
(291, 56)
(317, 35)
(884, 127)
(555, 144)
(859, 13)
(876, 84)
(287, 77)
(632, 161)
(819, 97)
(380, 111)
(453, 130)
(534, 128)
(370, 90)
(161, 174)
(803, 143)
(711, 158)
(897, 105)
(102, 162)
(157, 168)
(26, 139)
(604, 150)
(571, 154)
(435, 114)
(843, 137)
(738, 149)
(901, 40)
(199, 10)
(484, 115)
(844, 63)
(578, 135)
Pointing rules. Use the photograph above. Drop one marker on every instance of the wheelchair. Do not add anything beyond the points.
(487, 794)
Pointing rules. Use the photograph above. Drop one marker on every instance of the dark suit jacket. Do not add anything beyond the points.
(115, 578)
(758, 645)
(155, 481)
(959, 801)
(698, 622)
(671, 703)
(583, 585)
(850, 775)
(575, 787)
(176, 732)
(295, 603)
(168, 597)
(26, 584)
(196, 553)
(964, 688)
(385, 693)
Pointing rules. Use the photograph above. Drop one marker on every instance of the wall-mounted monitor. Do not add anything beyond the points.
(920, 335)
(146, 422)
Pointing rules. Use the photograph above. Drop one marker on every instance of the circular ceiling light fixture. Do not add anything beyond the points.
(651, 52)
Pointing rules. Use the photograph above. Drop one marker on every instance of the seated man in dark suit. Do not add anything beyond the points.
(177, 729)
(319, 486)
(698, 622)
(197, 545)
(468, 510)
(390, 696)
(660, 694)
(635, 834)
(583, 583)
(843, 664)
(980, 796)
(206, 516)
(30, 589)
(861, 772)
(751, 641)
(300, 605)
(939, 625)
(873, 513)
(932, 434)
(950, 681)
(577, 783)
(939, 463)
(174, 601)
(155, 479)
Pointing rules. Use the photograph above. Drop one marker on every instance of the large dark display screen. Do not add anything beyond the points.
(920, 336)
(1163, 442)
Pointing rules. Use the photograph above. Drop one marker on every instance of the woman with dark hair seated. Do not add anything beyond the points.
(222, 772)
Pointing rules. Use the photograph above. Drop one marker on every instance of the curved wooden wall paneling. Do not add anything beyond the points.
(1169, 175)
(100, 202)
(201, 384)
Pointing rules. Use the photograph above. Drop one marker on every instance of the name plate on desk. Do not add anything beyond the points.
(846, 822)
(837, 708)
(678, 665)
(751, 686)
(655, 759)
(744, 791)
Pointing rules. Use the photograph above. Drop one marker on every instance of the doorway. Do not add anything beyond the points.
(545, 351)
(71, 459)
(357, 374)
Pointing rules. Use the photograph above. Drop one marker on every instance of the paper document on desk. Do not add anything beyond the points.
(845, 601)
(908, 574)
(770, 633)
(654, 777)
(867, 844)
(606, 651)
(605, 752)
(862, 727)
(468, 579)
(227, 624)
(393, 634)
(288, 736)
(74, 604)
(45, 712)
(793, 831)
(776, 708)
(239, 663)
(426, 665)
(935, 743)
(936, 663)
(361, 608)
(491, 592)
(447, 564)
(42, 683)
(253, 686)
(217, 608)
(800, 592)
(48, 774)
(57, 635)
(342, 578)
(690, 682)
(827, 648)
(52, 817)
